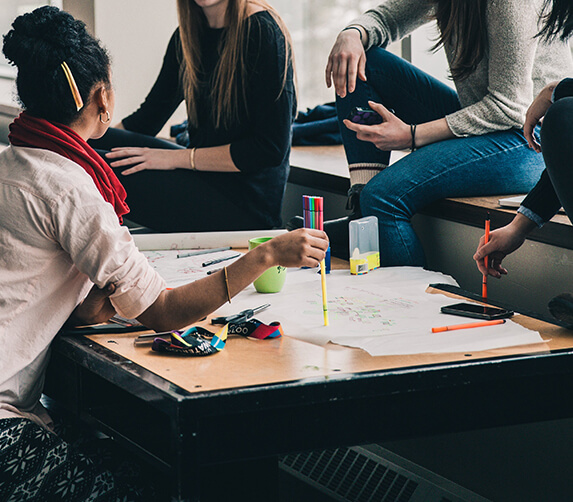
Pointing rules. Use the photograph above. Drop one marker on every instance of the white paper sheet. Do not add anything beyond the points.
(385, 312)
(179, 271)
(200, 240)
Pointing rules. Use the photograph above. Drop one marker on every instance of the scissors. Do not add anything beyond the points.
(240, 317)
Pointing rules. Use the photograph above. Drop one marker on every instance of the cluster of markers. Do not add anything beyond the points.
(314, 218)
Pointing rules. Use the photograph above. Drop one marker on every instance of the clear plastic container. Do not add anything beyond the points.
(364, 245)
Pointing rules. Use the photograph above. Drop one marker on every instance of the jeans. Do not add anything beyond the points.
(495, 163)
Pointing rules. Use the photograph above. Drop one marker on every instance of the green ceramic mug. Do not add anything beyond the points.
(271, 281)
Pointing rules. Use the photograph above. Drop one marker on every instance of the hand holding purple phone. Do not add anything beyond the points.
(364, 116)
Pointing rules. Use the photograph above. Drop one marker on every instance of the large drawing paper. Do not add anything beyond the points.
(385, 312)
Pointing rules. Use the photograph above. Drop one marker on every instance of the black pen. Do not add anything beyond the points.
(214, 271)
(219, 260)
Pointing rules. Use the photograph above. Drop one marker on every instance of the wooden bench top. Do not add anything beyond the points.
(473, 211)
(325, 167)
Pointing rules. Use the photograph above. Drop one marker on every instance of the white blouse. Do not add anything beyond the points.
(58, 237)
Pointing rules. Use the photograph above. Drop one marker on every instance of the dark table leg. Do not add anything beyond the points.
(251, 480)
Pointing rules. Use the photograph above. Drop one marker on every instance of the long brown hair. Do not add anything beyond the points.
(557, 18)
(231, 71)
(462, 25)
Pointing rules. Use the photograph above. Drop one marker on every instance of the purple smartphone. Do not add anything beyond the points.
(365, 116)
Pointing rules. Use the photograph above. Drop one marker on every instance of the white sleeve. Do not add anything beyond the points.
(87, 228)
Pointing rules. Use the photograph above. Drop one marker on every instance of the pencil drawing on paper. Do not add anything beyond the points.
(365, 307)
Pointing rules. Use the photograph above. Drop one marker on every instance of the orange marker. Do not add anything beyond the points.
(468, 325)
(485, 260)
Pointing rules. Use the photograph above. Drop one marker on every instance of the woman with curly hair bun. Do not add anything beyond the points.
(66, 259)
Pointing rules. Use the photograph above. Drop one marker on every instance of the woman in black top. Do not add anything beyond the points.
(554, 106)
(231, 61)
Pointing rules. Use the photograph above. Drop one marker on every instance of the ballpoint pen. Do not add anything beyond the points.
(219, 260)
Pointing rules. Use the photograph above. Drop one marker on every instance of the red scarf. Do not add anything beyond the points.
(33, 132)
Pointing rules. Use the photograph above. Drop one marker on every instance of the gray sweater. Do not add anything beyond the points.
(515, 68)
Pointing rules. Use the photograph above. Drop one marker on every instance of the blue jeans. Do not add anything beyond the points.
(493, 163)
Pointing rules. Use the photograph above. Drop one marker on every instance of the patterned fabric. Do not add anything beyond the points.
(192, 342)
(36, 465)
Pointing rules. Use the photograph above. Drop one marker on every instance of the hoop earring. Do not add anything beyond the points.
(107, 116)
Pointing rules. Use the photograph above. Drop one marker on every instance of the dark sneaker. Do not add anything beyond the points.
(353, 201)
(561, 307)
(337, 230)
(294, 223)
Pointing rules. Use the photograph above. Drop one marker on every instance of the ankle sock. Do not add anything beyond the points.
(362, 173)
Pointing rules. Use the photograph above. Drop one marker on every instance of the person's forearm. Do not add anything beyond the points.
(358, 28)
(521, 225)
(215, 158)
(431, 132)
(187, 304)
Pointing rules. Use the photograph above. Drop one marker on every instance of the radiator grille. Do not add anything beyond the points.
(372, 474)
(351, 475)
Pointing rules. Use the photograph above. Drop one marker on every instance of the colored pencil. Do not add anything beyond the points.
(467, 325)
(485, 260)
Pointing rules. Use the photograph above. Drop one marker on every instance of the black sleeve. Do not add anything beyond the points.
(271, 112)
(542, 199)
(563, 89)
(164, 97)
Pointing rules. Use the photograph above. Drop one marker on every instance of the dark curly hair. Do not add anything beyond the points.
(37, 45)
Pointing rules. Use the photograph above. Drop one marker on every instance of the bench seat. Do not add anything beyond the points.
(325, 168)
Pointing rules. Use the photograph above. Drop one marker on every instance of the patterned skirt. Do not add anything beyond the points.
(37, 465)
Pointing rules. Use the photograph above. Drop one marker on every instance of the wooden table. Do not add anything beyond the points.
(216, 425)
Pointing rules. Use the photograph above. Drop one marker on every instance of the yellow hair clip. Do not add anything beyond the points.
(73, 86)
